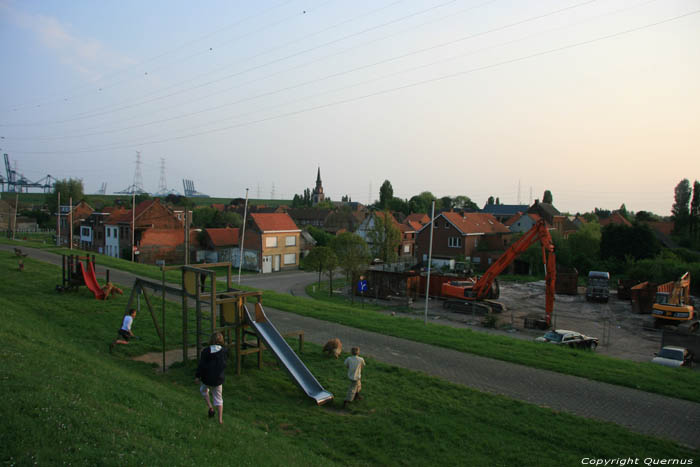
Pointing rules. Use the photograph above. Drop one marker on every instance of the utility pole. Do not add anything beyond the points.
(240, 255)
(430, 260)
(133, 217)
(187, 235)
(14, 224)
(58, 222)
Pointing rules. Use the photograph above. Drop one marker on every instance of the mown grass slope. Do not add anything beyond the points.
(67, 400)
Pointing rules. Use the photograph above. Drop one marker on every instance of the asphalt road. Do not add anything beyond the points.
(643, 412)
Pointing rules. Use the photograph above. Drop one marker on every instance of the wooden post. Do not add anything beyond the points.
(198, 310)
(239, 334)
(212, 307)
(70, 220)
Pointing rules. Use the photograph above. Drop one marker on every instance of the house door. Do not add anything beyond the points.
(276, 264)
(267, 264)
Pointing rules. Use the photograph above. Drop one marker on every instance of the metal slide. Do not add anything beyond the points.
(290, 360)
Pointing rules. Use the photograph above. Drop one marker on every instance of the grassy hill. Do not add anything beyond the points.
(67, 400)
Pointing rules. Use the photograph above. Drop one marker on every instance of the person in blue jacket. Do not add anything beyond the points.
(211, 373)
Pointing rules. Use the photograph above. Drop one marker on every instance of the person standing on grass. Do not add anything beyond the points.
(211, 374)
(354, 363)
(125, 333)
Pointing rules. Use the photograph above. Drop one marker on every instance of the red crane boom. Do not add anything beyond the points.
(480, 290)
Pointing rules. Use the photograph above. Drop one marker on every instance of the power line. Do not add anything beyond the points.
(340, 73)
(381, 92)
(91, 85)
(86, 115)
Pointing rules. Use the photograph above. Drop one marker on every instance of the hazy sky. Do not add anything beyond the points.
(597, 101)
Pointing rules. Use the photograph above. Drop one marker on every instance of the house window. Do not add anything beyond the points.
(85, 231)
(290, 240)
(108, 231)
(447, 225)
(271, 242)
(407, 248)
(454, 242)
(290, 258)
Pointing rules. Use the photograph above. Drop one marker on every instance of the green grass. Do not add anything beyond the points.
(66, 400)
(638, 375)
(645, 376)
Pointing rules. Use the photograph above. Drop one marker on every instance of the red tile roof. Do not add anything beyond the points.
(274, 222)
(615, 218)
(475, 223)
(224, 237)
(418, 217)
(415, 225)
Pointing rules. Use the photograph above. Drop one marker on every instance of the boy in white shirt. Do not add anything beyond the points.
(355, 363)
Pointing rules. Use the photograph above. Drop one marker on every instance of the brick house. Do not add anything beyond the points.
(477, 237)
(158, 233)
(272, 243)
(80, 213)
(218, 245)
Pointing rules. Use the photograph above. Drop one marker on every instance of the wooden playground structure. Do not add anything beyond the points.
(205, 310)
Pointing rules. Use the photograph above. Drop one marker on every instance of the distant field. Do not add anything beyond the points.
(37, 199)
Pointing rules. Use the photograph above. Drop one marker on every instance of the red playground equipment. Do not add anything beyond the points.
(80, 270)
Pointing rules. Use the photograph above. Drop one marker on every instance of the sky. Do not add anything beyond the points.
(597, 101)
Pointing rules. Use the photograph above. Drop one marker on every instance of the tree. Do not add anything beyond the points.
(491, 201)
(322, 237)
(498, 201)
(547, 197)
(695, 211)
(399, 205)
(422, 202)
(680, 212)
(353, 256)
(464, 202)
(322, 258)
(619, 241)
(643, 216)
(68, 188)
(386, 193)
(211, 218)
(384, 237)
(445, 203)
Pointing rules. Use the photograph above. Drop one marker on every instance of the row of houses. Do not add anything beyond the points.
(157, 232)
(275, 240)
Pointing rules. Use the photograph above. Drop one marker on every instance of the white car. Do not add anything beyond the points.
(570, 338)
(674, 357)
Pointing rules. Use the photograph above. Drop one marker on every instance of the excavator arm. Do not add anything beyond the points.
(539, 232)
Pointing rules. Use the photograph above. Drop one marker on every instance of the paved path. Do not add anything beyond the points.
(640, 411)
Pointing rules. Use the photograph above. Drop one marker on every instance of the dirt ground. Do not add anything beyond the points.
(620, 331)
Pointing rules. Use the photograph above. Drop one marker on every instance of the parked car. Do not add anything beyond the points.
(674, 357)
(571, 338)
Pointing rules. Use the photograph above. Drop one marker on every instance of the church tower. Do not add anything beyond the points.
(317, 195)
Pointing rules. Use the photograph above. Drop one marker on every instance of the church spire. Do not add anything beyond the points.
(318, 176)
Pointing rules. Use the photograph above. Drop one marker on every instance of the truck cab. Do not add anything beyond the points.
(598, 286)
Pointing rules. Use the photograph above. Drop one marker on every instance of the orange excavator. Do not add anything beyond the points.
(674, 305)
(476, 293)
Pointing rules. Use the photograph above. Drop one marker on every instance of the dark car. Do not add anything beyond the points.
(571, 338)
